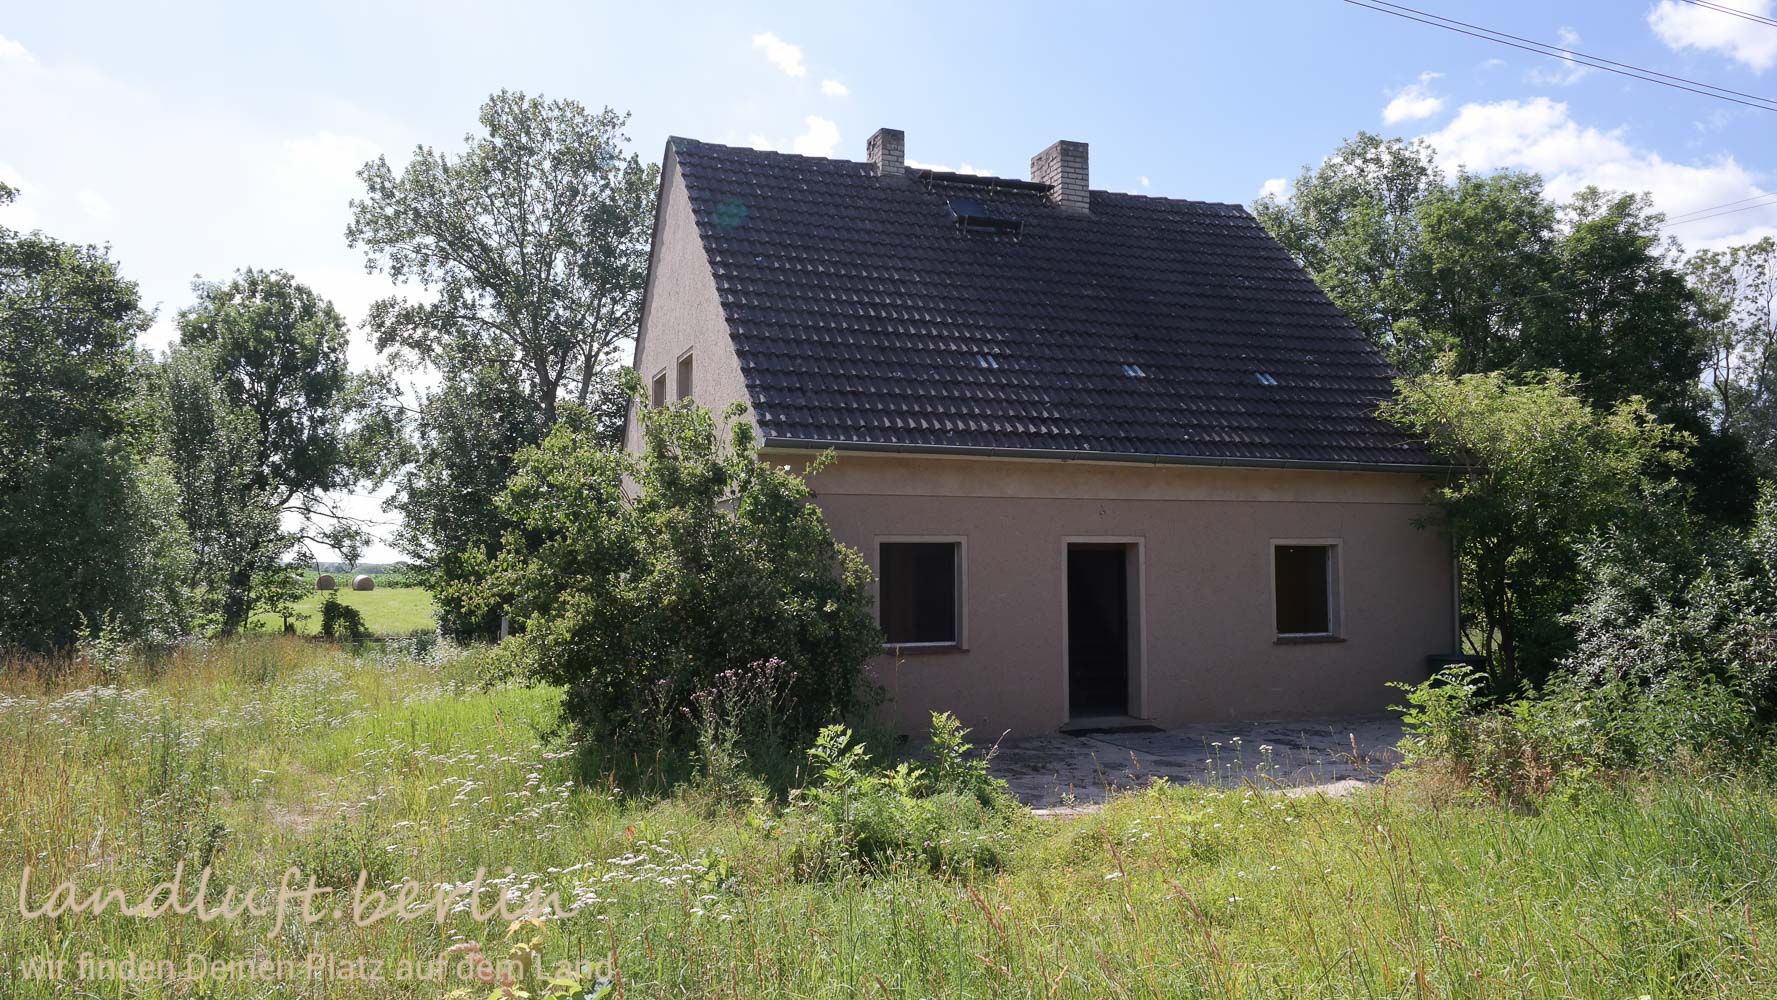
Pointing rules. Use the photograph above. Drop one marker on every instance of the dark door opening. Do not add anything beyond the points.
(1097, 630)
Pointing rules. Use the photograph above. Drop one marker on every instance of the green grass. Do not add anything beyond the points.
(387, 610)
(268, 753)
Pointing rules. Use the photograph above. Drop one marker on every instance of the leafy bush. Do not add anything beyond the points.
(340, 620)
(1682, 605)
(637, 582)
(1530, 747)
(1540, 471)
(950, 818)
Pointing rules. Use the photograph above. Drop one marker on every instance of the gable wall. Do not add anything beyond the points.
(1209, 638)
(683, 311)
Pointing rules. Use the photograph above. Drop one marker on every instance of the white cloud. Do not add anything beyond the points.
(782, 54)
(1144, 180)
(1569, 72)
(820, 139)
(1541, 136)
(1413, 102)
(945, 168)
(1687, 26)
(1276, 187)
(94, 205)
(1491, 63)
(758, 141)
(833, 88)
(13, 51)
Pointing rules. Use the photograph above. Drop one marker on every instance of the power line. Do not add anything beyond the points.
(1723, 9)
(1716, 215)
(1726, 204)
(1568, 55)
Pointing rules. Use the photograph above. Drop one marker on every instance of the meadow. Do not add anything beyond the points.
(387, 610)
(260, 755)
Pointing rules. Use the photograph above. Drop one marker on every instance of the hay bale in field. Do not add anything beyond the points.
(325, 582)
(363, 582)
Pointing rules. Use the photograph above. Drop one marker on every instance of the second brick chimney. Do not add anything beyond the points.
(888, 150)
(1063, 167)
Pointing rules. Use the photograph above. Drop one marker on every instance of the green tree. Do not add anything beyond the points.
(636, 600)
(1482, 273)
(1737, 312)
(68, 367)
(1537, 471)
(1353, 223)
(532, 247)
(89, 530)
(92, 540)
(264, 418)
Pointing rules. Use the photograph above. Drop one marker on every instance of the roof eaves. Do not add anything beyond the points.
(1066, 455)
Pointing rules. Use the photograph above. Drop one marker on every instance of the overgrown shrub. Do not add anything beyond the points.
(637, 582)
(1679, 604)
(1573, 730)
(950, 817)
(341, 621)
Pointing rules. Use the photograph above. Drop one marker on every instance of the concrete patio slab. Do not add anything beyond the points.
(1062, 771)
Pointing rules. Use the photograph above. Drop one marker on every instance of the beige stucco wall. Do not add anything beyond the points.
(1208, 649)
(681, 311)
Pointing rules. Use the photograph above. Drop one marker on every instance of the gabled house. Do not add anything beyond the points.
(1111, 457)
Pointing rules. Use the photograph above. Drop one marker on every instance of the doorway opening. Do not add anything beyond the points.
(1101, 628)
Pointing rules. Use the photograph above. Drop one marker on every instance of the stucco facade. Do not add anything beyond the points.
(1205, 647)
(1198, 540)
(681, 314)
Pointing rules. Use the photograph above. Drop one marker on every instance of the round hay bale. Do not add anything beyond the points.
(362, 582)
(325, 582)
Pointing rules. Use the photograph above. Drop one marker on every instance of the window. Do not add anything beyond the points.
(917, 592)
(1304, 578)
(657, 392)
(682, 380)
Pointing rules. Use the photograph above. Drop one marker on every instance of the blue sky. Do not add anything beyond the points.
(200, 138)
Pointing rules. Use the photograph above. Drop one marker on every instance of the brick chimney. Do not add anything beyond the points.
(888, 150)
(1063, 167)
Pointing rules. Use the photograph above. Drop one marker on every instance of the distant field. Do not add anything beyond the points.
(387, 610)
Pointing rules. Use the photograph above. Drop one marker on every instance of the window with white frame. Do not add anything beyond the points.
(1305, 587)
(919, 592)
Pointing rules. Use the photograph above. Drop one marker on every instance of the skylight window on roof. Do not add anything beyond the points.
(986, 361)
(1264, 379)
(1134, 371)
(975, 215)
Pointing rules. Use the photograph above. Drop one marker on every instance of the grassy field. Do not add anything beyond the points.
(387, 610)
(272, 753)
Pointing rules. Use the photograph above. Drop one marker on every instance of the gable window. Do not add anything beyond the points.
(657, 390)
(1305, 580)
(682, 380)
(918, 592)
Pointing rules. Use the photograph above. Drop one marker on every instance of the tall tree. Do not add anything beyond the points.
(1352, 223)
(89, 531)
(265, 418)
(68, 325)
(530, 247)
(1482, 273)
(1737, 312)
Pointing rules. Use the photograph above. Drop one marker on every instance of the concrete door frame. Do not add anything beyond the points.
(1137, 595)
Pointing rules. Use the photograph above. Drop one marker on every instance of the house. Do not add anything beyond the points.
(1111, 457)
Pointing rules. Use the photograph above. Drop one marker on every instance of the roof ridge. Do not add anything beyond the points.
(957, 177)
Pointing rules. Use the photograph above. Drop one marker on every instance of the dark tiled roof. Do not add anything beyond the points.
(1149, 328)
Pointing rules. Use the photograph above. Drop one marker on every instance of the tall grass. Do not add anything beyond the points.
(259, 755)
